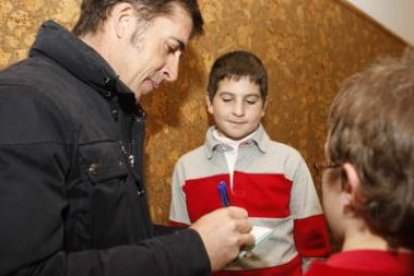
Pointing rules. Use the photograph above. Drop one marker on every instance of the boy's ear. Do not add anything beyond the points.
(353, 183)
(209, 105)
(264, 107)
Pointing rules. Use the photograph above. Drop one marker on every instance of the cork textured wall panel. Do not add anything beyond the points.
(308, 46)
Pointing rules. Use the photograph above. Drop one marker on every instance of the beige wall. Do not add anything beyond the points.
(395, 16)
(308, 46)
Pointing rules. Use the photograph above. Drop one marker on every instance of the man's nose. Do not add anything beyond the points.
(171, 68)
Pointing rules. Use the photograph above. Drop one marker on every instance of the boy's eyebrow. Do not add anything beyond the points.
(232, 93)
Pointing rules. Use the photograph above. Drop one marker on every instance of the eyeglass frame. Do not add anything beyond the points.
(320, 167)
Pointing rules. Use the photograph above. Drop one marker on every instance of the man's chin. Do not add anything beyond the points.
(146, 91)
(142, 91)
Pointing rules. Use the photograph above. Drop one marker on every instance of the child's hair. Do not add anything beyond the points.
(371, 126)
(236, 65)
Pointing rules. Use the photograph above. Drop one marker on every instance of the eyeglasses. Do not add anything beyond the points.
(320, 168)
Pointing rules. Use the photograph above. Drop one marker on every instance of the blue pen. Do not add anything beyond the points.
(224, 196)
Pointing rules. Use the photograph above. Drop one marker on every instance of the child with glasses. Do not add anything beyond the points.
(368, 195)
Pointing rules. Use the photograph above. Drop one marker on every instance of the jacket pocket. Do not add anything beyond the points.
(103, 162)
(109, 185)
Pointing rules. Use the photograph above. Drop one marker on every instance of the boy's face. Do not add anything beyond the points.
(237, 107)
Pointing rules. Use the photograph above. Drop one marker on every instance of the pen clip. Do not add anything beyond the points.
(224, 196)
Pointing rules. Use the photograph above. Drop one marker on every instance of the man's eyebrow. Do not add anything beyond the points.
(181, 44)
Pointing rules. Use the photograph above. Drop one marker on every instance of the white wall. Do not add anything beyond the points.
(395, 15)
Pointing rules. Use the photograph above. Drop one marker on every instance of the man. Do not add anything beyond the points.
(72, 200)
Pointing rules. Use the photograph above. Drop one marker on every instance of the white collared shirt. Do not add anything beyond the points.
(231, 154)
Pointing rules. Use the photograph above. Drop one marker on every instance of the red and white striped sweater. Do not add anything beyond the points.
(272, 182)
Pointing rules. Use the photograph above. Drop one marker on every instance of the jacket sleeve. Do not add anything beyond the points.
(33, 159)
(310, 229)
(181, 253)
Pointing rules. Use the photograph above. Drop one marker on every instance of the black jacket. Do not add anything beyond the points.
(72, 200)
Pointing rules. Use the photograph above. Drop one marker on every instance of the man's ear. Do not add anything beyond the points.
(352, 183)
(122, 17)
(209, 105)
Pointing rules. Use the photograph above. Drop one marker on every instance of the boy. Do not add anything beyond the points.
(368, 190)
(269, 179)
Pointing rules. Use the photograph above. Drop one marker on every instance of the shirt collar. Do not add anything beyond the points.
(258, 138)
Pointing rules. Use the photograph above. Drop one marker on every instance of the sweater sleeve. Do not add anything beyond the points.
(310, 229)
(178, 211)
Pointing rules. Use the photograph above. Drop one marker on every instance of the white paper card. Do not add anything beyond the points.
(260, 233)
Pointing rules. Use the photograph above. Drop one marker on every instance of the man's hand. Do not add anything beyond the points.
(224, 232)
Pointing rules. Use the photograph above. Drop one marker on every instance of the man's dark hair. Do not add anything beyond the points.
(236, 65)
(94, 12)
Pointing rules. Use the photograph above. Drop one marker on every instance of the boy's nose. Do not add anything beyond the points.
(238, 109)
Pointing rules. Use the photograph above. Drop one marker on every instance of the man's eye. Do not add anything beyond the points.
(226, 99)
(174, 50)
(170, 49)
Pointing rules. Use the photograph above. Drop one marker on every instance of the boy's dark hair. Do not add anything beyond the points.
(236, 65)
(94, 13)
(371, 126)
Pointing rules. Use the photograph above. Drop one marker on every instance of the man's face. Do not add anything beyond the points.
(237, 107)
(153, 52)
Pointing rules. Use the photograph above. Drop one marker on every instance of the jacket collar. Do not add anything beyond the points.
(63, 47)
(260, 140)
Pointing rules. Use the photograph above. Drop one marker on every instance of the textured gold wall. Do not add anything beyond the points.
(308, 46)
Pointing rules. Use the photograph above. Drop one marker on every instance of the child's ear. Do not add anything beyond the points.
(352, 184)
(265, 106)
(209, 105)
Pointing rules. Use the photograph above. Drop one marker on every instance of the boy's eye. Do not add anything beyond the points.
(252, 100)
